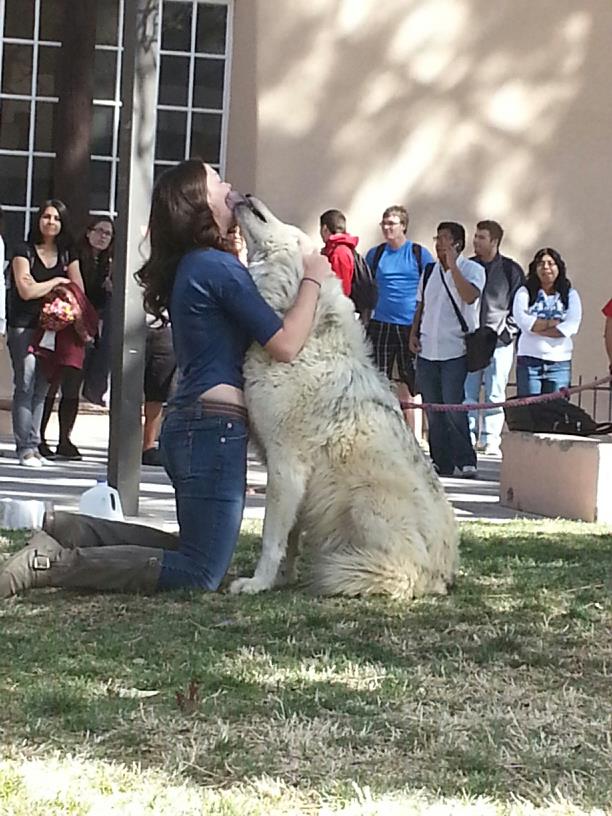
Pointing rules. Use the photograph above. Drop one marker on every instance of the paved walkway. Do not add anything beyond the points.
(63, 482)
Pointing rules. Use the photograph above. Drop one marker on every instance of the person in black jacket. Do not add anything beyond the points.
(504, 277)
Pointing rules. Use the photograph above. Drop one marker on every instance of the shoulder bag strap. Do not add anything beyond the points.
(460, 318)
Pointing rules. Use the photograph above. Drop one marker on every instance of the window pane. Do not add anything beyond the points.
(158, 169)
(19, 19)
(14, 124)
(51, 20)
(173, 80)
(17, 69)
(48, 61)
(107, 22)
(43, 134)
(208, 83)
(100, 185)
(14, 229)
(102, 130)
(42, 180)
(105, 69)
(206, 137)
(13, 176)
(171, 131)
(176, 26)
(211, 28)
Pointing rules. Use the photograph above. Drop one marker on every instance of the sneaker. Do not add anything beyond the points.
(492, 450)
(30, 460)
(45, 451)
(468, 472)
(43, 461)
(152, 456)
(66, 450)
(443, 472)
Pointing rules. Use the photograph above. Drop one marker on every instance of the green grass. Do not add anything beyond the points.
(481, 702)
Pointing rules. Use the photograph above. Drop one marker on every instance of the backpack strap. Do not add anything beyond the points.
(417, 251)
(376, 259)
(508, 269)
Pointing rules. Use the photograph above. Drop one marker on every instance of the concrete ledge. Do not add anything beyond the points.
(557, 475)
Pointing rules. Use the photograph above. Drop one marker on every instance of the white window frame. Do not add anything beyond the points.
(30, 207)
(189, 108)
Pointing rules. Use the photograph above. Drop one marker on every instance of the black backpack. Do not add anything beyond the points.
(558, 416)
(364, 290)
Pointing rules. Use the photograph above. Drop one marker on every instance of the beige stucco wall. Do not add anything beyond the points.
(461, 109)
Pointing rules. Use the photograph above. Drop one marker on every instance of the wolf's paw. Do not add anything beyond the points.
(250, 586)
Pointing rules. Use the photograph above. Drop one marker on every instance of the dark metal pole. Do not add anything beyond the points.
(136, 144)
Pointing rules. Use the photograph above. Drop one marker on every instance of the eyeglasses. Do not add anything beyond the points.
(542, 264)
(390, 223)
(102, 232)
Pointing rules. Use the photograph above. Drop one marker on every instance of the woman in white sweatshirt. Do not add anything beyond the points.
(548, 312)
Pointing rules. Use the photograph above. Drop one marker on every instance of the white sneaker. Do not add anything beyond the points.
(492, 450)
(30, 460)
(468, 472)
(44, 462)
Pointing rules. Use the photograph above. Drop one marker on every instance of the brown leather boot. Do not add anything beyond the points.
(28, 568)
(45, 563)
(74, 530)
(121, 568)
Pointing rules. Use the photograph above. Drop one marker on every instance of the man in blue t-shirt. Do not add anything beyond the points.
(397, 264)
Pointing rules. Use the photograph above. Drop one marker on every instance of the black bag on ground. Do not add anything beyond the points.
(558, 416)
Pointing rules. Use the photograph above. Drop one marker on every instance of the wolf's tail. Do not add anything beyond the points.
(353, 572)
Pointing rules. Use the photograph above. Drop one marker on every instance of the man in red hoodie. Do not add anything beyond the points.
(339, 246)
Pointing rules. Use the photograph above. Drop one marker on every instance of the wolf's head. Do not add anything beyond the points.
(275, 251)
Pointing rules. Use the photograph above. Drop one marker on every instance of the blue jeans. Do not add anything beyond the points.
(493, 380)
(30, 390)
(535, 376)
(206, 459)
(443, 381)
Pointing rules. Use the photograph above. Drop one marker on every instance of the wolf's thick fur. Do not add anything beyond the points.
(340, 456)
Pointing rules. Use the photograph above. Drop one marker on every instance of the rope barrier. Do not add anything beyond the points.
(565, 393)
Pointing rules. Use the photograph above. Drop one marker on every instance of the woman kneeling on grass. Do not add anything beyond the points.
(216, 313)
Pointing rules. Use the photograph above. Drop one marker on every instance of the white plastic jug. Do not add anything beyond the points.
(101, 501)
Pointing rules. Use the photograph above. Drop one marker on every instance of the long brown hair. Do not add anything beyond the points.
(180, 220)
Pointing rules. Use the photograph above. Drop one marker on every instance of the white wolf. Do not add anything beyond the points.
(341, 461)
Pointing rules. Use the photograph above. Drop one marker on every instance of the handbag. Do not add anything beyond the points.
(479, 344)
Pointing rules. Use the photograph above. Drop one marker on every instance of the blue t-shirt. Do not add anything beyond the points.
(397, 277)
(216, 312)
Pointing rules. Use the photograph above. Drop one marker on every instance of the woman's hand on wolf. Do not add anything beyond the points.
(316, 267)
(286, 344)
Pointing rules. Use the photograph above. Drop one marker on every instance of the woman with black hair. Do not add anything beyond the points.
(46, 260)
(94, 255)
(548, 312)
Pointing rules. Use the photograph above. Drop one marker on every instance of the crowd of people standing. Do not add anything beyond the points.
(426, 307)
(56, 311)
